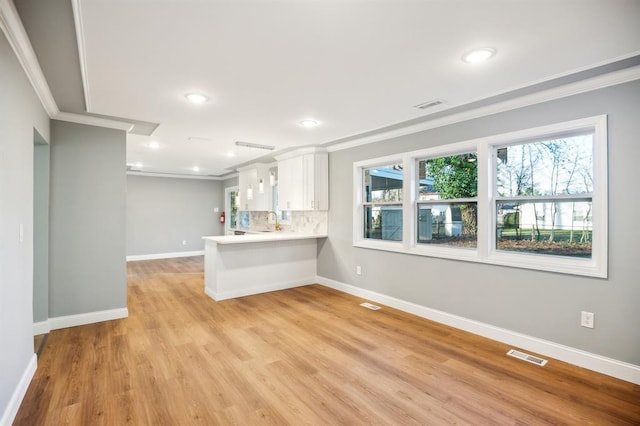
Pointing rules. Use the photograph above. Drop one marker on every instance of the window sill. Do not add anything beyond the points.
(548, 263)
(395, 246)
(537, 262)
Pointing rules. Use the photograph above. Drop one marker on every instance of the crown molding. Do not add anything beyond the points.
(13, 29)
(174, 175)
(82, 51)
(235, 174)
(587, 85)
(93, 121)
(301, 151)
(254, 166)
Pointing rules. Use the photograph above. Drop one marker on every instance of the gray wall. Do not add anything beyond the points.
(87, 270)
(164, 212)
(227, 183)
(40, 230)
(20, 113)
(541, 304)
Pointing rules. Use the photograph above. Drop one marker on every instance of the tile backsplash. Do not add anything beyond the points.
(311, 222)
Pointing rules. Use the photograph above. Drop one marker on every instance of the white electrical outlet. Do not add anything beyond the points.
(216, 209)
(587, 319)
(184, 242)
(358, 270)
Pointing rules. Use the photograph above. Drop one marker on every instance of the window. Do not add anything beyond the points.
(233, 215)
(382, 206)
(446, 200)
(533, 199)
(544, 196)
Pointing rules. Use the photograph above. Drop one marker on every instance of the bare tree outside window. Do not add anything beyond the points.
(546, 185)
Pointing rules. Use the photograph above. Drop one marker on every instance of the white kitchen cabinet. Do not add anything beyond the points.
(290, 190)
(254, 188)
(316, 181)
(303, 180)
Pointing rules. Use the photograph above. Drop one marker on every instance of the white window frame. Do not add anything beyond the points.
(596, 266)
(359, 203)
(438, 250)
(227, 210)
(486, 251)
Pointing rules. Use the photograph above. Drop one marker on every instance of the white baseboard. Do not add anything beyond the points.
(218, 296)
(87, 318)
(611, 367)
(19, 392)
(165, 255)
(42, 327)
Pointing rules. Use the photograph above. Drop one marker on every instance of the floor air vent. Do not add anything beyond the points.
(526, 357)
(370, 306)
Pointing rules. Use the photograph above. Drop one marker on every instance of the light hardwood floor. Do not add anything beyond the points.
(309, 355)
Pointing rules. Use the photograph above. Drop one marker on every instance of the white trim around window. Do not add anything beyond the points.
(486, 252)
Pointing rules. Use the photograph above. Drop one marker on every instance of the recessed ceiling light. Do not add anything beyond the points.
(231, 154)
(196, 169)
(138, 165)
(478, 55)
(196, 98)
(154, 145)
(309, 123)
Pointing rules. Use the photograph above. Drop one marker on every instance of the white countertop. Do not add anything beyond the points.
(262, 237)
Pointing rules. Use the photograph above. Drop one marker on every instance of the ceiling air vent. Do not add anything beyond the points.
(430, 104)
(526, 357)
(255, 145)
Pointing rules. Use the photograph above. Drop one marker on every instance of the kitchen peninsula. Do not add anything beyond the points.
(241, 265)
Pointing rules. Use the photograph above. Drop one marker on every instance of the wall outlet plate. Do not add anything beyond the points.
(587, 319)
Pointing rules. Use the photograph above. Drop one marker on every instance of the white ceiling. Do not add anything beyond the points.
(353, 65)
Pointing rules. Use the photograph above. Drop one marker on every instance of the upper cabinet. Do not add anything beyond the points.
(303, 180)
(290, 192)
(254, 188)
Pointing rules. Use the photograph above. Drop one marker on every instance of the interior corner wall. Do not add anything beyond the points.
(87, 258)
(41, 173)
(540, 304)
(20, 113)
(227, 183)
(162, 213)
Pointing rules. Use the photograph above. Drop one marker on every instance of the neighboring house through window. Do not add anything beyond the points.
(534, 199)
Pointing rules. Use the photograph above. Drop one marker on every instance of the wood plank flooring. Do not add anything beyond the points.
(309, 355)
(39, 342)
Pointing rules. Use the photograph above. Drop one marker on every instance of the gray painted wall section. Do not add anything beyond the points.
(41, 233)
(164, 212)
(228, 183)
(20, 113)
(541, 304)
(87, 223)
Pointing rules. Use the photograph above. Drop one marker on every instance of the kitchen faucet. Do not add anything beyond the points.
(277, 226)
